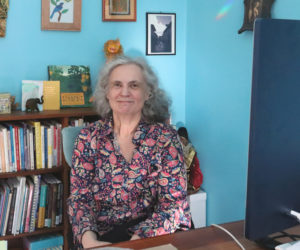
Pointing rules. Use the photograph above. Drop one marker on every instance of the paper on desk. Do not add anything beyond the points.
(162, 247)
(111, 248)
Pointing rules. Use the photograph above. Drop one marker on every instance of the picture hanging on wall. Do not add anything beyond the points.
(255, 9)
(161, 34)
(61, 15)
(119, 10)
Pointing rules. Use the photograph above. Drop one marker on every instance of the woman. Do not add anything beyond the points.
(127, 178)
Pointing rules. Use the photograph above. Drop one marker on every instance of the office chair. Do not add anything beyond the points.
(69, 135)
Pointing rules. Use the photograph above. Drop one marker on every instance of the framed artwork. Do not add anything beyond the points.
(61, 15)
(161, 34)
(119, 10)
(255, 9)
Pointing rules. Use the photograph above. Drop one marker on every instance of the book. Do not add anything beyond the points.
(43, 242)
(30, 199)
(24, 208)
(2, 153)
(5, 104)
(38, 147)
(18, 205)
(51, 91)
(17, 147)
(4, 229)
(12, 208)
(42, 204)
(32, 89)
(35, 202)
(54, 199)
(4, 140)
(75, 84)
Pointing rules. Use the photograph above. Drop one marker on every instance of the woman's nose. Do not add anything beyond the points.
(125, 91)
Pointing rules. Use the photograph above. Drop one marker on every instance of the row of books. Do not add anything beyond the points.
(78, 122)
(30, 145)
(31, 202)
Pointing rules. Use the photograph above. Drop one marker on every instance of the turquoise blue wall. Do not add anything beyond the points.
(26, 51)
(218, 86)
(209, 78)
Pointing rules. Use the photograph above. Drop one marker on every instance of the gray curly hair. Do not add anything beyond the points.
(156, 108)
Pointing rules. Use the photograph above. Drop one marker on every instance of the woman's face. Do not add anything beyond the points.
(127, 90)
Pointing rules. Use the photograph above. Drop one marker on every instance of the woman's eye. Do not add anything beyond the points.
(117, 84)
(134, 85)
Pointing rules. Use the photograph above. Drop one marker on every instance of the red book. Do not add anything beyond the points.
(17, 147)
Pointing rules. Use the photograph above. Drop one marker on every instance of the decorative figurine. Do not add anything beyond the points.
(32, 104)
(112, 49)
(14, 106)
(191, 161)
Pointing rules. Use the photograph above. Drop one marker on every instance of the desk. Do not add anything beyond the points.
(208, 238)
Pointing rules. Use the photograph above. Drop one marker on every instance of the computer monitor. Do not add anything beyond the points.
(273, 184)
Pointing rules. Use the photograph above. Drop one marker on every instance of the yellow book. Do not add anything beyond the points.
(38, 146)
(51, 92)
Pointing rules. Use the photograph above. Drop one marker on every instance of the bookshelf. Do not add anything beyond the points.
(63, 116)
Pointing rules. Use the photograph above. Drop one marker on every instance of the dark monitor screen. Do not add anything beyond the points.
(273, 185)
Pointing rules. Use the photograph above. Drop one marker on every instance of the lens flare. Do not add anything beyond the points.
(224, 9)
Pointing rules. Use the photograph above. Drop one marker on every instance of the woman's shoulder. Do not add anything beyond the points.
(163, 130)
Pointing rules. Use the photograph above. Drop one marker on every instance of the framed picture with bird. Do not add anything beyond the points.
(61, 15)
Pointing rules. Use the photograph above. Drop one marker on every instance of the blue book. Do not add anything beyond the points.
(46, 146)
(21, 134)
(43, 242)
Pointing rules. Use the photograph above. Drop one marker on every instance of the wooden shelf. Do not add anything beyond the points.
(31, 172)
(36, 232)
(48, 114)
(63, 116)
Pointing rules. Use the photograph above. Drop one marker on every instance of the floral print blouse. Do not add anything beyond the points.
(107, 190)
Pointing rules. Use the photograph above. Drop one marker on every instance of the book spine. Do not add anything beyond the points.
(49, 206)
(9, 151)
(54, 205)
(11, 212)
(22, 153)
(46, 146)
(12, 145)
(24, 209)
(2, 153)
(6, 154)
(38, 149)
(7, 214)
(50, 145)
(30, 197)
(35, 200)
(20, 204)
(43, 145)
(31, 148)
(42, 206)
(17, 147)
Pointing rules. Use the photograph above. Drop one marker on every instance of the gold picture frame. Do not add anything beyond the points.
(61, 15)
(119, 10)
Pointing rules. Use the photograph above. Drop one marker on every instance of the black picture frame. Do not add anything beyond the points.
(160, 33)
(255, 9)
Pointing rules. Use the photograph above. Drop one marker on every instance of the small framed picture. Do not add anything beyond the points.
(61, 15)
(161, 34)
(5, 103)
(119, 10)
